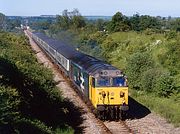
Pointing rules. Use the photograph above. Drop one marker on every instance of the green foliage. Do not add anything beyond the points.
(149, 79)
(175, 24)
(32, 126)
(70, 20)
(135, 22)
(78, 21)
(136, 66)
(9, 103)
(41, 25)
(158, 82)
(2, 21)
(149, 22)
(108, 46)
(119, 22)
(63, 22)
(149, 57)
(67, 130)
(142, 75)
(100, 24)
(170, 58)
(166, 107)
(12, 24)
(171, 35)
(29, 100)
(164, 85)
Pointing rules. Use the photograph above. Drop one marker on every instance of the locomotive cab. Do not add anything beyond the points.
(109, 92)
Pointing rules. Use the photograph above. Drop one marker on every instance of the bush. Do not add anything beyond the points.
(27, 126)
(171, 35)
(29, 100)
(158, 82)
(9, 103)
(165, 85)
(166, 107)
(149, 79)
(136, 65)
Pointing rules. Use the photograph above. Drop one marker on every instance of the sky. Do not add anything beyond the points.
(91, 7)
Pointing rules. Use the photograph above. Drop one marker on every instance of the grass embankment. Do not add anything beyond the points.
(162, 98)
(29, 99)
(166, 107)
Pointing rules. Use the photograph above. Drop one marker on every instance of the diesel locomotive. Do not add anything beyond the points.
(101, 83)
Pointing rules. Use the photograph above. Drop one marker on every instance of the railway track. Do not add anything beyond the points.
(91, 124)
(118, 127)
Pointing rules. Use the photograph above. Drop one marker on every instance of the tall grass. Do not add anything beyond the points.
(166, 107)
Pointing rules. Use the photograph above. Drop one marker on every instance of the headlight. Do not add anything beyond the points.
(121, 94)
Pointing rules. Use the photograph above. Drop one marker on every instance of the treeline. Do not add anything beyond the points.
(10, 24)
(119, 22)
(74, 20)
(14, 23)
(29, 101)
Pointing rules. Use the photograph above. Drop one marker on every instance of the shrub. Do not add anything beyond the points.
(149, 79)
(171, 35)
(29, 100)
(165, 85)
(9, 103)
(136, 65)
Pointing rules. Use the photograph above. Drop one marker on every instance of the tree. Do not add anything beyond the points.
(13, 23)
(100, 24)
(119, 22)
(70, 20)
(175, 25)
(78, 22)
(2, 21)
(147, 21)
(63, 21)
(135, 20)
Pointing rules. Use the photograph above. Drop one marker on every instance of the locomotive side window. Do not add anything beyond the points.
(93, 82)
(119, 81)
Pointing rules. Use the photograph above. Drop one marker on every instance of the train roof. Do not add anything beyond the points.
(89, 64)
(60, 46)
(93, 66)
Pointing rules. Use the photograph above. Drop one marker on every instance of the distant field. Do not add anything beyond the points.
(98, 17)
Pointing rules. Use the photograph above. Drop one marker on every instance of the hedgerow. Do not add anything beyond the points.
(29, 99)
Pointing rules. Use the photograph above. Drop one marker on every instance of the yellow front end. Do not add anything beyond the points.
(111, 96)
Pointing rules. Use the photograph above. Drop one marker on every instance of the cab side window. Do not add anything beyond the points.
(93, 82)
